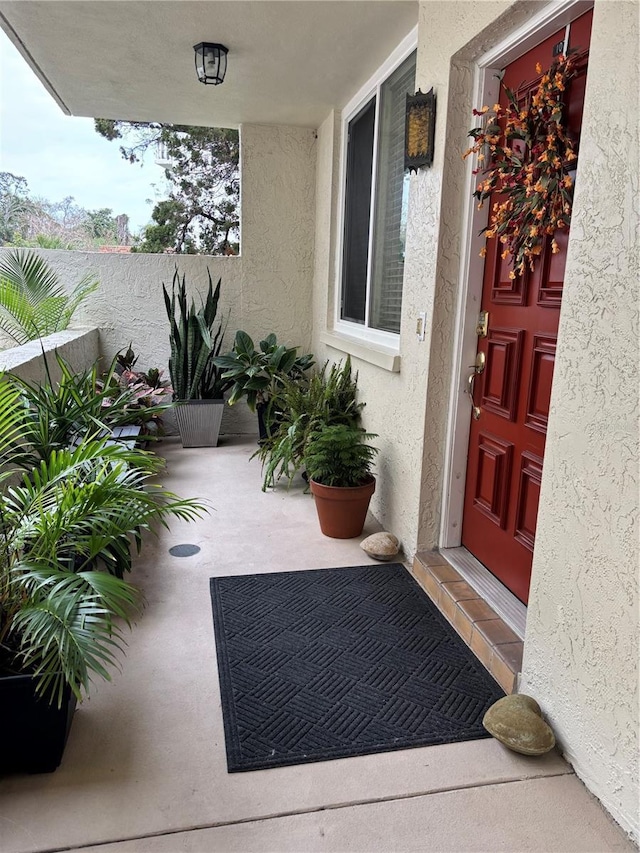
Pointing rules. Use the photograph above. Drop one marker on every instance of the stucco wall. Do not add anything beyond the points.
(582, 641)
(267, 289)
(408, 497)
(80, 347)
(278, 220)
(394, 401)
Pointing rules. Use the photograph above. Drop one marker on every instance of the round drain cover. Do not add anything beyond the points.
(184, 550)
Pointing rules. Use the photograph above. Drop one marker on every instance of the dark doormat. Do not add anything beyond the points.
(331, 663)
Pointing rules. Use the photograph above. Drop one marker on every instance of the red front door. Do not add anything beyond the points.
(506, 446)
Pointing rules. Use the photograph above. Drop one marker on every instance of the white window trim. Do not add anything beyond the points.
(370, 89)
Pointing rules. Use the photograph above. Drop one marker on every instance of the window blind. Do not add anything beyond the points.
(357, 213)
(392, 188)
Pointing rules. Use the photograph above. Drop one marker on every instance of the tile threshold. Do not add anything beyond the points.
(493, 641)
(497, 596)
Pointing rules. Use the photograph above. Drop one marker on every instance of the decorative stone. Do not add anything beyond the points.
(516, 721)
(381, 546)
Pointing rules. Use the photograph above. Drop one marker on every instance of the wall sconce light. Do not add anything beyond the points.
(211, 62)
(419, 130)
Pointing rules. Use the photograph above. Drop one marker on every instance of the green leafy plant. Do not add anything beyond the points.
(194, 344)
(81, 509)
(33, 301)
(65, 542)
(304, 406)
(258, 374)
(338, 455)
(57, 415)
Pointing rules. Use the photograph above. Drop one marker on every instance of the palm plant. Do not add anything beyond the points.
(65, 536)
(194, 344)
(33, 301)
(56, 415)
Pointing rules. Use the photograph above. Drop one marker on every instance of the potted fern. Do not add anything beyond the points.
(198, 384)
(338, 460)
(305, 405)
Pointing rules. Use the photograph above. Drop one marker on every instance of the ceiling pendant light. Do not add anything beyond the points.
(211, 62)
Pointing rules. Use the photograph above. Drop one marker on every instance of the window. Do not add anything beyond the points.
(375, 205)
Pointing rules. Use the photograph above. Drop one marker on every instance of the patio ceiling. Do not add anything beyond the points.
(289, 62)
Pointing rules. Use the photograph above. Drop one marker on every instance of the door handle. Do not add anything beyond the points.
(477, 368)
(475, 410)
(480, 362)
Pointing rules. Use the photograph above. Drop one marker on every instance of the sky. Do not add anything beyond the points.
(62, 155)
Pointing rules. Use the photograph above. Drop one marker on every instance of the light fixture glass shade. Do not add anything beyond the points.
(211, 62)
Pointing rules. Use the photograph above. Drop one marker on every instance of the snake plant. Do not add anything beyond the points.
(194, 343)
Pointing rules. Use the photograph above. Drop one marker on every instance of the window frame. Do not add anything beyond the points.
(371, 89)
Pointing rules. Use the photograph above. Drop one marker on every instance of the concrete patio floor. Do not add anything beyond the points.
(145, 766)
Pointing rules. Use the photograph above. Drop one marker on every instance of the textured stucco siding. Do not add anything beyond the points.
(582, 642)
(408, 410)
(80, 347)
(278, 221)
(128, 306)
(394, 401)
(581, 649)
(266, 289)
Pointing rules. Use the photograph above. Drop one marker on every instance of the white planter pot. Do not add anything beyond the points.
(199, 422)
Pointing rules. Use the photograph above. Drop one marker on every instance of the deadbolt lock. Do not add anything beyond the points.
(482, 327)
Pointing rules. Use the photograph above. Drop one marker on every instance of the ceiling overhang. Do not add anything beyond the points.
(290, 62)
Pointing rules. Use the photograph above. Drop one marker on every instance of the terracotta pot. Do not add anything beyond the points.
(342, 510)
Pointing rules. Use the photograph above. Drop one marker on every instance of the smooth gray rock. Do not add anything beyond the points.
(516, 721)
(381, 546)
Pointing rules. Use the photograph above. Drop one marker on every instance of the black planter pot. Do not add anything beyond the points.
(268, 421)
(34, 732)
(262, 427)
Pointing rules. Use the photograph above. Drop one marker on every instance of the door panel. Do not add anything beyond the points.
(541, 376)
(506, 446)
(502, 373)
(493, 476)
(528, 499)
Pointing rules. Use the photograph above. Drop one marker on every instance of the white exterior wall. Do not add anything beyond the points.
(582, 641)
(80, 347)
(266, 289)
(581, 649)
(396, 402)
(278, 220)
